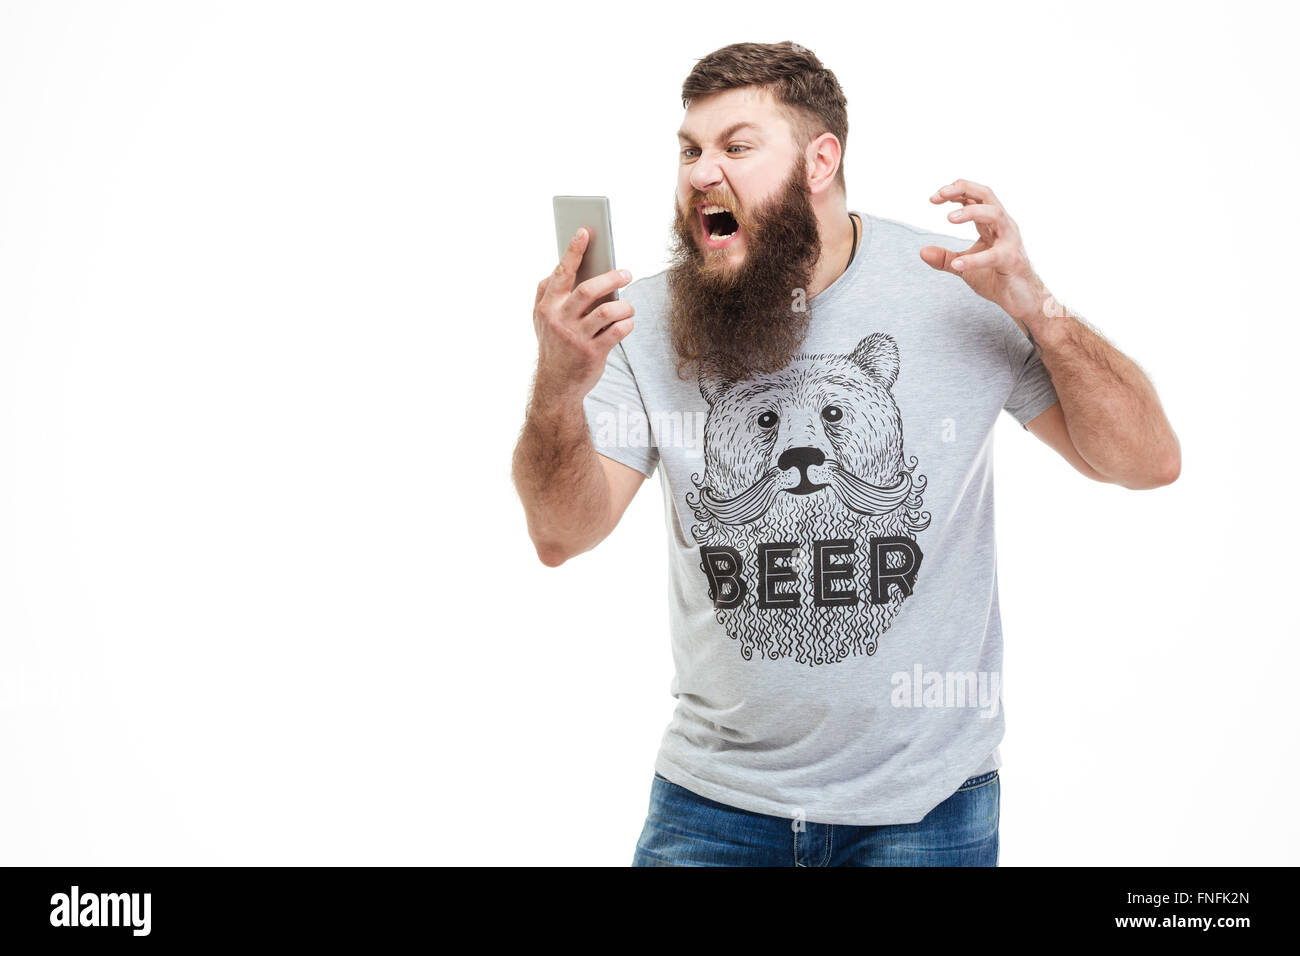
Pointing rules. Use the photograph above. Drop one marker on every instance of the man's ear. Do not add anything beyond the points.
(822, 158)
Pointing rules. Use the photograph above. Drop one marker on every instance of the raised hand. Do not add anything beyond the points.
(996, 266)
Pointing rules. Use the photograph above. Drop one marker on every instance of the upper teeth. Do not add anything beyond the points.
(710, 210)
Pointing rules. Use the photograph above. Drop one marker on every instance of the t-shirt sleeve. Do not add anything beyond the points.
(617, 418)
(1032, 391)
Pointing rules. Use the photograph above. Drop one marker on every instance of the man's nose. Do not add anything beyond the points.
(706, 173)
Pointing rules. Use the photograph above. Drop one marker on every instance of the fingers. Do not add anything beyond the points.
(596, 288)
(937, 257)
(1005, 259)
(560, 305)
(964, 191)
(615, 333)
(594, 322)
(561, 280)
(977, 212)
(993, 217)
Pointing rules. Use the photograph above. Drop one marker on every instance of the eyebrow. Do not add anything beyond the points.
(727, 133)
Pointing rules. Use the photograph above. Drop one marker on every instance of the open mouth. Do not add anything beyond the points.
(719, 224)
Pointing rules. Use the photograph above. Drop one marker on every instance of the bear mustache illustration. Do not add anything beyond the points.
(807, 511)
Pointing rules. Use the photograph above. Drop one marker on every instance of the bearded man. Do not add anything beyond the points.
(850, 370)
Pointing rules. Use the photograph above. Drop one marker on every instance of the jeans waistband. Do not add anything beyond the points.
(978, 779)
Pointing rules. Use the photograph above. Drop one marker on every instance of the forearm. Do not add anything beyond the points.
(559, 478)
(1111, 409)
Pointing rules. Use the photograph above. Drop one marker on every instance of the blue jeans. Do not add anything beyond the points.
(686, 829)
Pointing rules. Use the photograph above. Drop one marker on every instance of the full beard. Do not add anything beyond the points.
(750, 318)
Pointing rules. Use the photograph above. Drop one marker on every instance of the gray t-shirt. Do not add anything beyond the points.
(833, 581)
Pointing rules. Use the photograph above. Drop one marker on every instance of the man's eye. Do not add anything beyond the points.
(689, 150)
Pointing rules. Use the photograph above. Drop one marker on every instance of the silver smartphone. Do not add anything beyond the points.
(571, 214)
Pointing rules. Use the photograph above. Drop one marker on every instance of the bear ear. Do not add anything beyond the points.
(877, 354)
(713, 384)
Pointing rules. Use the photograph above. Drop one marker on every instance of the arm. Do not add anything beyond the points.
(570, 501)
(1108, 407)
(573, 496)
(1050, 428)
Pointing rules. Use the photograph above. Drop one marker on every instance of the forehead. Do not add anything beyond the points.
(714, 115)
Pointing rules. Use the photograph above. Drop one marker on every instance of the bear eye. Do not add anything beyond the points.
(767, 420)
(832, 413)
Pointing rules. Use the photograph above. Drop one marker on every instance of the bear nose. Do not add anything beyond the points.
(801, 458)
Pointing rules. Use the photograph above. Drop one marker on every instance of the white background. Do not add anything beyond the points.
(266, 276)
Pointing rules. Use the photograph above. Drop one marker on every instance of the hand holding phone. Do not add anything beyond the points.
(577, 326)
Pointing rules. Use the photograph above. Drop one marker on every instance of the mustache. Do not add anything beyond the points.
(855, 493)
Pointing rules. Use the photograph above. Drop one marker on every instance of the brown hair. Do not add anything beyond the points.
(808, 93)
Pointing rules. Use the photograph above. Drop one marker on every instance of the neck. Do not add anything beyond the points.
(836, 231)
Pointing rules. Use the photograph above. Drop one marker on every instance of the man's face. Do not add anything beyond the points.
(745, 235)
(737, 151)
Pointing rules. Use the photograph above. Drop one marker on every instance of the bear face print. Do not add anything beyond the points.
(807, 512)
